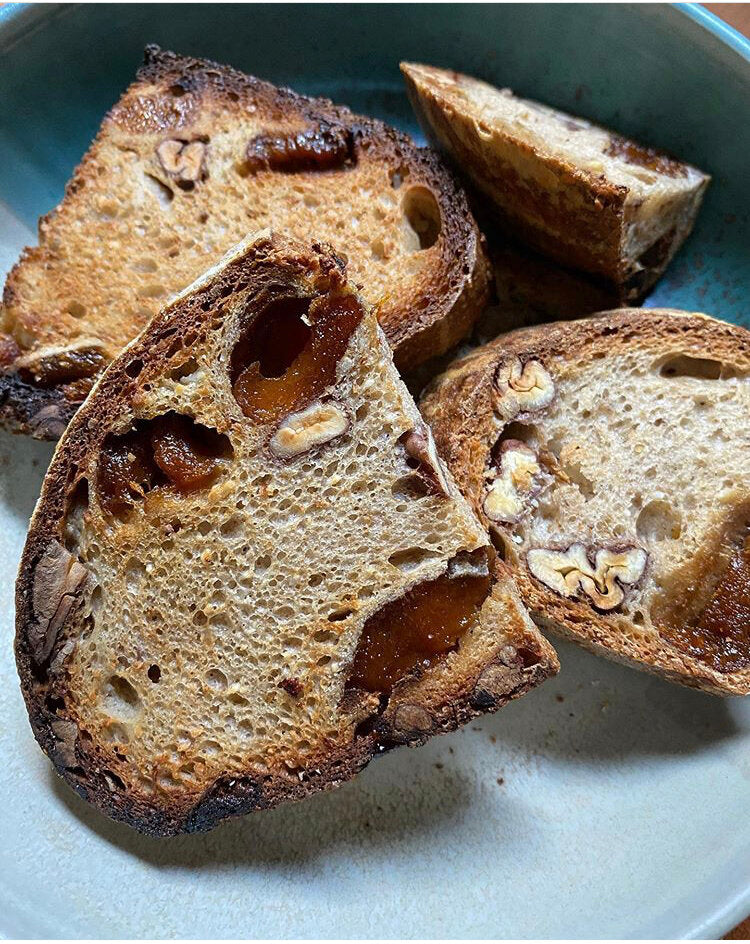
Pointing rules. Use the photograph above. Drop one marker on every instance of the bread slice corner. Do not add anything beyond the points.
(248, 571)
(582, 195)
(609, 457)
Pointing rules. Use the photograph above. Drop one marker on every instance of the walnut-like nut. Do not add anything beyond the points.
(513, 483)
(410, 721)
(519, 388)
(59, 579)
(420, 447)
(314, 426)
(183, 160)
(571, 571)
(66, 736)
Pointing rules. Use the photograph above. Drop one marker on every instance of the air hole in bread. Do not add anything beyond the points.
(78, 502)
(578, 477)
(398, 176)
(422, 213)
(160, 191)
(658, 521)
(154, 290)
(411, 558)
(120, 699)
(411, 487)
(177, 90)
(154, 673)
(170, 451)
(216, 679)
(134, 368)
(286, 357)
(341, 614)
(701, 368)
(54, 703)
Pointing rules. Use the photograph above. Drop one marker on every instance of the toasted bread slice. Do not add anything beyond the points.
(580, 194)
(193, 157)
(530, 289)
(248, 571)
(610, 457)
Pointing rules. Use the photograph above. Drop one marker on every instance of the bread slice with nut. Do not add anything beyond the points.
(192, 158)
(248, 571)
(610, 457)
(582, 195)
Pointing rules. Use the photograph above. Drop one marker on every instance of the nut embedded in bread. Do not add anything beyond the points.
(193, 157)
(610, 459)
(248, 570)
(576, 192)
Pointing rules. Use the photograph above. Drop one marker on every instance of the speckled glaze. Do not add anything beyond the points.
(605, 804)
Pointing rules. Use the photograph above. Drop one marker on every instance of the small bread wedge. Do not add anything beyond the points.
(192, 158)
(248, 571)
(610, 457)
(576, 192)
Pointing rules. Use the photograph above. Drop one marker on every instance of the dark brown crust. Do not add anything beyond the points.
(424, 325)
(88, 767)
(35, 411)
(458, 406)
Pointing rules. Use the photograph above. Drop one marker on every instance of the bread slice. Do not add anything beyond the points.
(578, 193)
(248, 572)
(530, 289)
(610, 457)
(193, 157)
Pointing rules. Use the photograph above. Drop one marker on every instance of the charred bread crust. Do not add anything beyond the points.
(39, 412)
(439, 311)
(458, 406)
(418, 707)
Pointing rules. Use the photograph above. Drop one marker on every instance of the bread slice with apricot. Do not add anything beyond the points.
(194, 157)
(580, 194)
(610, 458)
(248, 571)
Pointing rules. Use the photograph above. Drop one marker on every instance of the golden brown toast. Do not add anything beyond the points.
(248, 571)
(610, 459)
(193, 157)
(580, 194)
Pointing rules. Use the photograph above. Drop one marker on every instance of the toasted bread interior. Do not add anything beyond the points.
(246, 496)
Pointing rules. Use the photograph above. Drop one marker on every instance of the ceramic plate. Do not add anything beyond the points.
(605, 804)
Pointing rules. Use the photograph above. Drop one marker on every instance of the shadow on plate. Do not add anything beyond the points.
(598, 711)
(392, 803)
(23, 462)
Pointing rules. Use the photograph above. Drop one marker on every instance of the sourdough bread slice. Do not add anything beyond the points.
(193, 157)
(611, 459)
(577, 192)
(248, 572)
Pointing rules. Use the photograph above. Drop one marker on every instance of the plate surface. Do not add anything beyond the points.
(605, 804)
